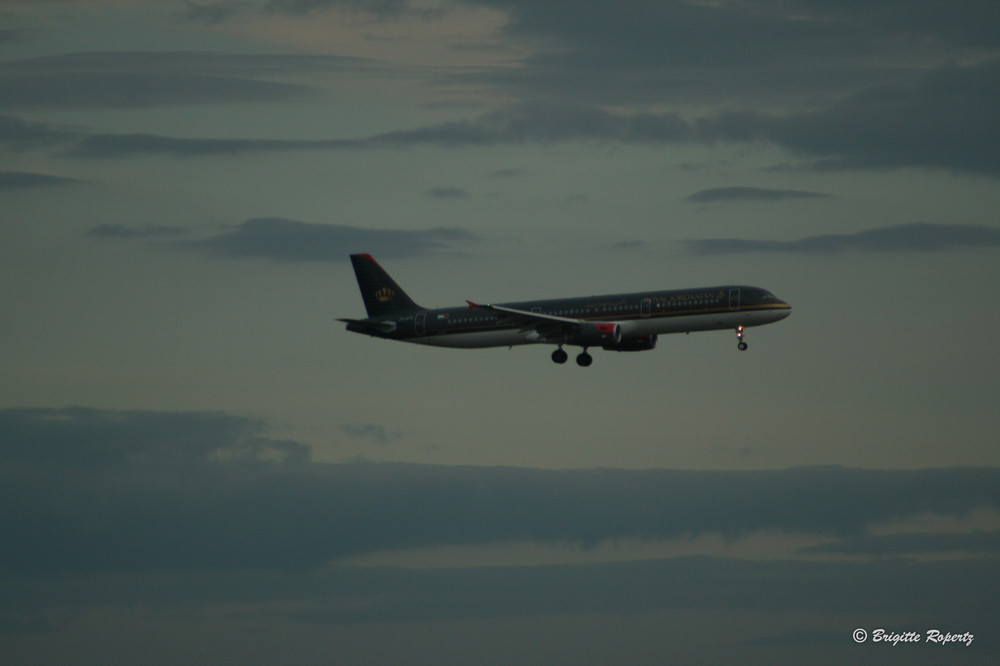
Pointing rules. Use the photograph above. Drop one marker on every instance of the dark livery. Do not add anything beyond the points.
(617, 322)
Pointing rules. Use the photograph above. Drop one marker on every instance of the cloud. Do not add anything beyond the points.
(958, 591)
(118, 146)
(447, 193)
(216, 12)
(84, 439)
(818, 80)
(985, 542)
(718, 194)
(522, 123)
(772, 56)
(135, 79)
(379, 8)
(92, 490)
(532, 122)
(120, 231)
(916, 237)
(136, 90)
(17, 180)
(944, 120)
(285, 240)
(7, 36)
(370, 431)
(18, 134)
(213, 13)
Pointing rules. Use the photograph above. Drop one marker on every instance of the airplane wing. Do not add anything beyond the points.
(550, 327)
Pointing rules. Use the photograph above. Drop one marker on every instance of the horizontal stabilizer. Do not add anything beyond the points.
(370, 327)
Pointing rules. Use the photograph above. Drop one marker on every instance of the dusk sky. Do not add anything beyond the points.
(198, 464)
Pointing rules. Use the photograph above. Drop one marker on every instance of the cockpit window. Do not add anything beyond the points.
(757, 295)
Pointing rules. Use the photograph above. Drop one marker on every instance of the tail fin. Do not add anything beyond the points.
(380, 292)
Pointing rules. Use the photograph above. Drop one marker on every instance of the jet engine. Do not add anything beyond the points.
(597, 335)
(614, 336)
(638, 343)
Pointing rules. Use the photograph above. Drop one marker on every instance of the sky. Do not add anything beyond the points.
(200, 465)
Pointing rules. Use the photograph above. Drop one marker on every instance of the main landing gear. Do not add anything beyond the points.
(583, 359)
(742, 346)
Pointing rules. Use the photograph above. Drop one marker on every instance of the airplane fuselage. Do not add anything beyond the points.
(618, 322)
(638, 314)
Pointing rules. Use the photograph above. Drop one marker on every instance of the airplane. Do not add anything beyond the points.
(617, 322)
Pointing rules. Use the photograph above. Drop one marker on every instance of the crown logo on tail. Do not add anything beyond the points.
(384, 295)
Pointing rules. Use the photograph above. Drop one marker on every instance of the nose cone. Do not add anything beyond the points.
(782, 310)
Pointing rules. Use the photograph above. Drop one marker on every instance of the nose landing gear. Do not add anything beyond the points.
(742, 346)
(559, 356)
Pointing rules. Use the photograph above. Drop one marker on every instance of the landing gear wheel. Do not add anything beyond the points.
(559, 356)
(584, 359)
(742, 346)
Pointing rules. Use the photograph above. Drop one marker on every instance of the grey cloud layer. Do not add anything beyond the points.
(284, 240)
(940, 119)
(917, 237)
(118, 146)
(153, 79)
(945, 121)
(85, 439)
(17, 180)
(382, 8)
(977, 541)
(642, 51)
(819, 79)
(125, 90)
(108, 231)
(719, 194)
(520, 124)
(959, 592)
(21, 135)
(679, 32)
(280, 239)
(211, 491)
